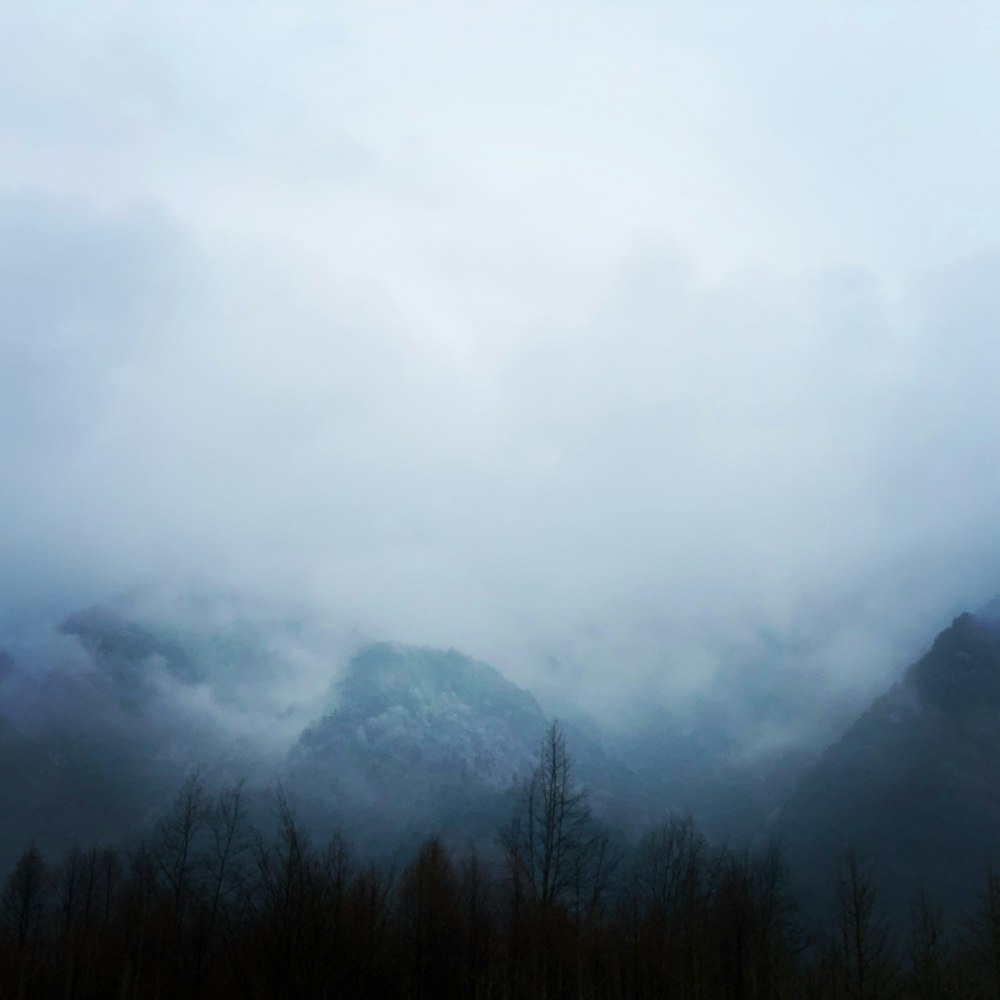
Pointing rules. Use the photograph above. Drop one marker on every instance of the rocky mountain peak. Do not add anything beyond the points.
(419, 733)
(425, 683)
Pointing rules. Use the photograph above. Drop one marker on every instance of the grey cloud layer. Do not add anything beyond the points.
(355, 335)
(692, 463)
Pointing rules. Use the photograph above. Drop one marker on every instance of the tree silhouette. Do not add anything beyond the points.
(928, 974)
(559, 867)
(553, 844)
(430, 924)
(866, 969)
(22, 911)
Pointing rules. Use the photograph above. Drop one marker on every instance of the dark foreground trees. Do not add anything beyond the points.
(280, 916)
(212, 907)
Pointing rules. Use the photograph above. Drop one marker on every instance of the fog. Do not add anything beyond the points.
(642, 352)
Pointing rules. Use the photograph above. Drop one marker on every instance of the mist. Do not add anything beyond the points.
(577, 340)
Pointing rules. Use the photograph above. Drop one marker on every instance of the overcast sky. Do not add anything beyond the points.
(615, 343)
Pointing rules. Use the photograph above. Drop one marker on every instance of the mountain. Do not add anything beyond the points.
(913, 784)
(103, 717)
(431, 742)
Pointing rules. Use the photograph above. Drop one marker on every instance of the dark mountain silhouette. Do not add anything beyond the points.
(94, 738)
(914, 783)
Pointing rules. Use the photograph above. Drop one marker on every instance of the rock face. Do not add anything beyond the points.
(422, 739)
(914, 784)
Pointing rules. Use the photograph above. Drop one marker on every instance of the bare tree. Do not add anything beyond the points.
(670, 867)
(85, 883)
(222, 868)
(553, 845)
(865, 963)
(22, 911)
(174, 851)
(753, 924)
(430, 921)
(559, 865)
(477, 919)
(22, 904)
(282, 897)
(928, 973)
(173, 848)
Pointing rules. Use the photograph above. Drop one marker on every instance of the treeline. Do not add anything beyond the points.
(211, 907)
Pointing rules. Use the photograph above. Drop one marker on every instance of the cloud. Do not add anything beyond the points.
(604, 387)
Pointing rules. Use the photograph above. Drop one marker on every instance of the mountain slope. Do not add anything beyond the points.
(429, 741)
(914, 783)
(420, 739)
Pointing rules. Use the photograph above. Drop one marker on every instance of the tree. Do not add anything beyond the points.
(865, 965)
(174, 853)
(753, 925)
(559, 866)
(478, 927)
(928, 976)
(284, 907)
(86, 885)
(431, 924)
(22, 904)
(553, 845)
(173, 849)
(22, 912)
(223, 870)
(669, 870)
(667, 906)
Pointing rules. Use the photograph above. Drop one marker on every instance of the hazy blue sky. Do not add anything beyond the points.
(629, 336)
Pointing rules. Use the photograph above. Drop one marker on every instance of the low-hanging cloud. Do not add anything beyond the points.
(618, 474)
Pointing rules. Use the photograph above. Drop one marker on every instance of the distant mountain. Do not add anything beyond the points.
(914, 783)
(103, 717)
(430, 742)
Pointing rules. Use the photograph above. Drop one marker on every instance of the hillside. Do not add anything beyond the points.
(912, 784)
(426, 741)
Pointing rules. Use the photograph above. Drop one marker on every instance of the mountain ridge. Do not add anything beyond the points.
(911, 783)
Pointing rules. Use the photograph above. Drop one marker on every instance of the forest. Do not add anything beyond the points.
(210, 905)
